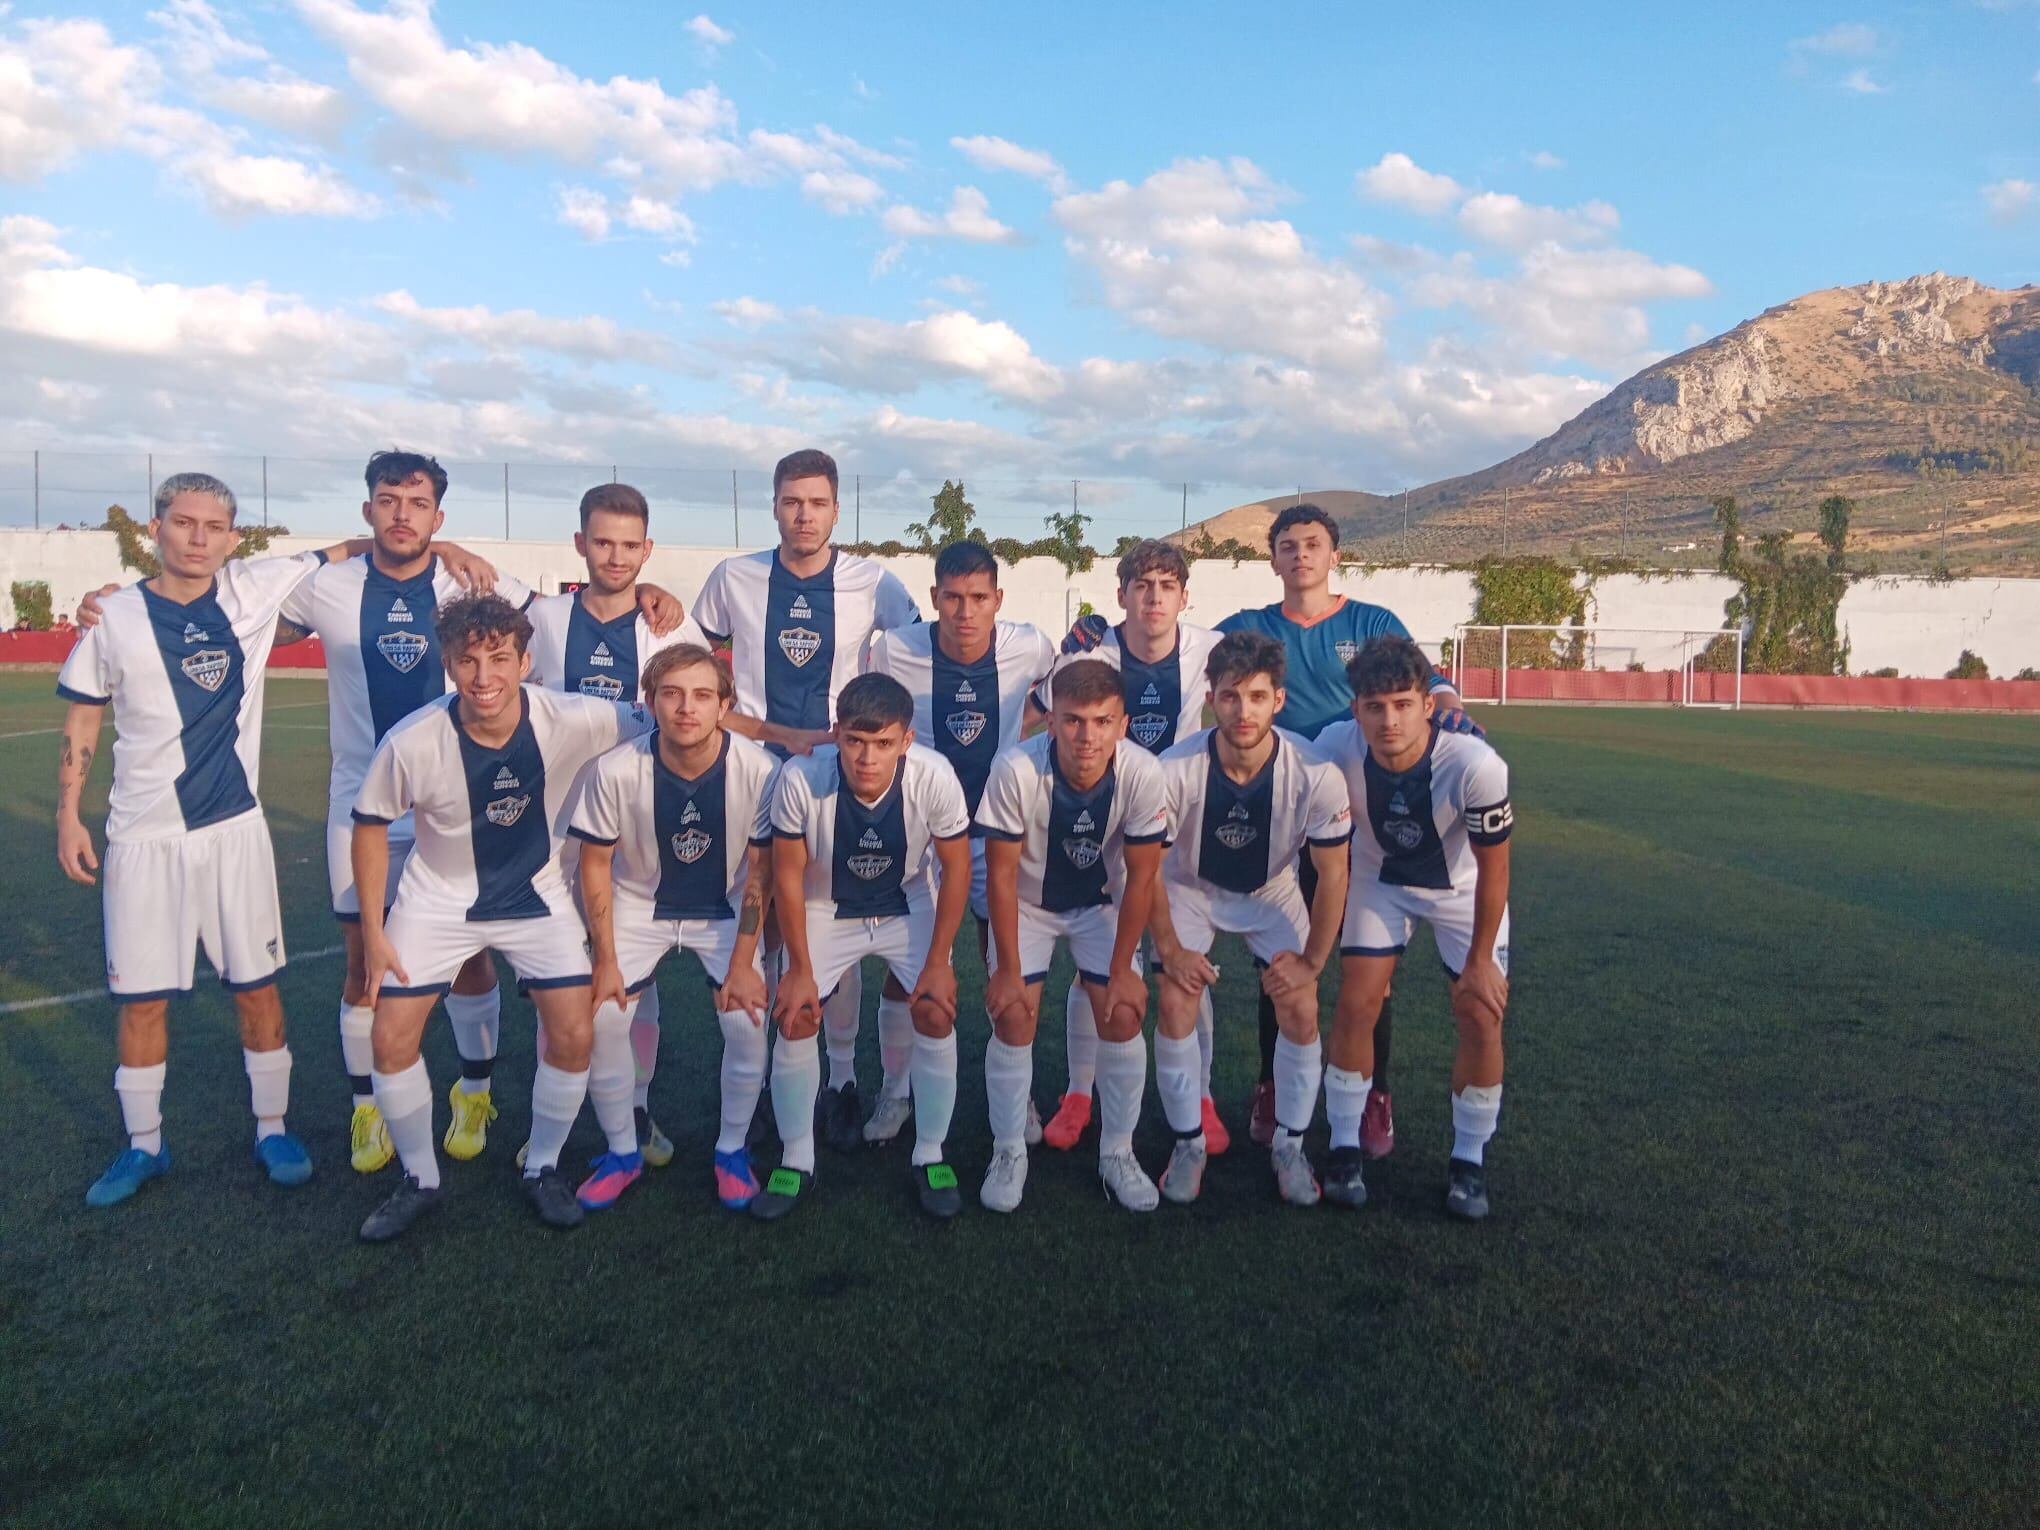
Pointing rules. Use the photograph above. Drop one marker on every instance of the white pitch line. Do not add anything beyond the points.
(21, 1005)
(294, 706)
(30, 733)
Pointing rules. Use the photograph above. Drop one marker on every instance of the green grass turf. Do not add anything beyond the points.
(1764, 1247)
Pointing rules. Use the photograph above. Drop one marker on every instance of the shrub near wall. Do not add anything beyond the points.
(32, 605)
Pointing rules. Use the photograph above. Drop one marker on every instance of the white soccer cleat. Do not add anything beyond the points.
(1294, 1177)
(888, 1116)
(1127, 1182)
(1033, 1132)
(1183, 1179)
(1005, 1180)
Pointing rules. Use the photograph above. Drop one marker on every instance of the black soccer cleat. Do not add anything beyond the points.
(1345, 1177)
(935, 1184)
(408, 1202)
(842, 1119)
(553, 1198)
(1467, 1197)
(784, 1189)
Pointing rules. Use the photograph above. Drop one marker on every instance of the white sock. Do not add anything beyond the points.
(611, 1072)
(1345, 1103)
(743, 1075)
(268, 1089)
(1176, 1082)
(934, 1075)
(1122, 1080)
(1080, 1039)
(1009, 1079)
(140, 1091)
(796, 1082)
(1298, 1070)
(895, 1045)
(840, 1018)
(1475, 1110)
(644, 1045)
(1206, 1041)
(556, 1097)
(405, 1100)
(357, 1049)
(477, 1021)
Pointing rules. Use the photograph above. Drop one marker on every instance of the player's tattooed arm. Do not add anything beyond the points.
(793, 740)
(353, 547)
(745, 988)
(74, 764)
(798, 1002)
(598, 909)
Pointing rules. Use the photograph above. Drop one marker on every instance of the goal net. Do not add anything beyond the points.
(1664, 666)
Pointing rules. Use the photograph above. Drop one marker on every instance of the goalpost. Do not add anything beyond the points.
(1665, 666)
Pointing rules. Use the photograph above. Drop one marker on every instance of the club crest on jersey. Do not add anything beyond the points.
(207, 668)
(399, 612)
(1147, 729)
(607, 687)
(1406, 832)
(1236, 833)
(402, 649)
(691, 846)
(799, 644)
(1346, 649)
(193, 633)
(869, 867)
(1083, 853)
(965, 727)
(505, 811)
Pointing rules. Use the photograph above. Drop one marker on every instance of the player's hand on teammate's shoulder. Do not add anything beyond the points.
(744, 991)
(89, 609)
(1086, 633)
(74, 851)
(1454, 718)
(476, 575)
(660, 608)
(806, 740)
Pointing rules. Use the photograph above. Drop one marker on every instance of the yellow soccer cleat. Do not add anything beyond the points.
(468, 1132)
(656, 1146)
(370, 1140)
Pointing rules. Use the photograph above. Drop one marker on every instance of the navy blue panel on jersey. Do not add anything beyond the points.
(1154, 695)
(399, 646)
(965, 708)
(1233, 850)
(868, 877)
(601, 656)
(800, 646)
(205, 664)
(506, 794)
(1405, 825)
(693, 832)
(1073, 868)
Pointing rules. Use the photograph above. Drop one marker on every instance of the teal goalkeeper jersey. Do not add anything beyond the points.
(1318, 651)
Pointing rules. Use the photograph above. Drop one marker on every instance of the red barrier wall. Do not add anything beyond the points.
(55, 647)
(1760, 690)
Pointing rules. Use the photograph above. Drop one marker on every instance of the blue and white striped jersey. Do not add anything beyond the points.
(1164, 700)
(868, 860)
(967, 713)
(572, 651)
(1420, 826)
(1242, 836)
(1072, 843)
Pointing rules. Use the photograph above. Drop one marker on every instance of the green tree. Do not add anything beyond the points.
(1066, 542)
(132, 539)
(32, 604)
(951, 518)
(1835, 511)
(1729, 518)
(1969, 666)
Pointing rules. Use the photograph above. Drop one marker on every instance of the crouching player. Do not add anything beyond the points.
(488, 774)
(674, 829)
(1245, 799)
(1435, 847)
(1074, 822)
(854, 826)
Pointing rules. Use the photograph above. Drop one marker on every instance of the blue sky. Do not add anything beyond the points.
(1245, 247)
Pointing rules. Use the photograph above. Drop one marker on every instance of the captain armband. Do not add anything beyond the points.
(1490, 825)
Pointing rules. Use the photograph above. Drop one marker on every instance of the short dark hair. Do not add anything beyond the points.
(395, 469)
(473, 619)
(807, 463)
(959, 560)
(1240, 654)
(683, 656)
(1388, 664)
(619, 498)
(1153, 557)
(1086, 682)
(1303, 515)
(873, 703)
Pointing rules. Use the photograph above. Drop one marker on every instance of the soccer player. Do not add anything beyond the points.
(595, 642)
(181, 657)
(971, 677)
(675, 828)
(1074, 822)
(854, 829)
(1435, 847)
(1245, 800)
(488, 776)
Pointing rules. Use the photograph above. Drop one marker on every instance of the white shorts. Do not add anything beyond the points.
(164, 898)
(433, 941)
(1091, 933)
(900, 940)
(1271, 921)
(340, 865)
(1380, 920)
(643, 939)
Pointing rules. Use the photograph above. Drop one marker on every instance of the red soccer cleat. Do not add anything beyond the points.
(1377, 1125)
(1261, 1114)
(1067, 1126)
(1216, 1138)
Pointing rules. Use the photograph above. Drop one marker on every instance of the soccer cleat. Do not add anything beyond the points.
(1293, 1176)
(612, 1174)
(127, 1174)
(1346, 1177)
(408, 1202)
(523, 1152)
(1183, 1179)
(888, 1116)
(1031, 1133)
(1216, 1138)
(552, 1200)
(468, 1132)
(1261, 1113)
(653, 1144)
(1127, 1182)
(1067, 1126)
(1467, 1198)
(369, 1138)
(285, 1158)
(1377, 1125)
(935, 1184)
(842, 1119)
(784, 1189)
(1005, 1180)
(736, 1186)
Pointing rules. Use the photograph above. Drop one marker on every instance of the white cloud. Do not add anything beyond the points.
(1860, 82)
(841, 191)
(968, 218)
(852, 150)
(1846, 39)
(593, 338)
(2010, 200)
(677, 258)
(709, 34)
(1401, 182)
(1544, 159)
(1000, 154)
(1500, 219)
(199, 40)
(1588, 305)
(287, 103)
(747, 313)
(585, 211)
(961, 286)
(239, 184)
(649, 216)
(862, 355)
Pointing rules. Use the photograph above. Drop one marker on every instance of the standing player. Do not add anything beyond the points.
(971, 677)
(854, 828)
(1245, 800)
(1435, 847)
(488, 775)
(1074, 822)
(181, 657)
(674, 830)
(595, 642)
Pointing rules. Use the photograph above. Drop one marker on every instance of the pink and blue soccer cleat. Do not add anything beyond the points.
(613, 1174)
(736, 1186)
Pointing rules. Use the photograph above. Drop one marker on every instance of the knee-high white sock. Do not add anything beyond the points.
(1206, 1040)
(934, 1075)
(357, 1053)
(611, 1070)
(796, 1082)
(644, 1045)
(1176, 1083)
(1475, 1110)
(556, 1097)
(743, 1075)
(1122, 1080)
(840, 1019)
(1080, 1039)
(1298, 1070)
(1009, 1079)
(477, 1023)
(140, 1091)
(895, 1045)
(268, 1089)
(1345, 1103)
(405, 1100)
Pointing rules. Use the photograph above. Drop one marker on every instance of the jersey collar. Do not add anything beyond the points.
(1338, 605)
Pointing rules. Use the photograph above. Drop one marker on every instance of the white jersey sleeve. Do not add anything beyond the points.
(1489, 814)
(712, 607)
(598, 812)
(386, 793)
(1328, 814)
(948, 815)
(892, 605)
(1002, 811)
(87, 675)
(793, 799)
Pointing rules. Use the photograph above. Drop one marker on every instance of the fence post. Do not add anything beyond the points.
(506, 501)
(1502, 680)
(736, 532)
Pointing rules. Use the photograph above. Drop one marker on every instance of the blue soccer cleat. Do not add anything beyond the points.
(127, 1174)
(285, 1158)
(736, 1184)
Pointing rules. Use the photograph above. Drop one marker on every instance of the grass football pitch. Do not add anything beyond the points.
(1765, 1249)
